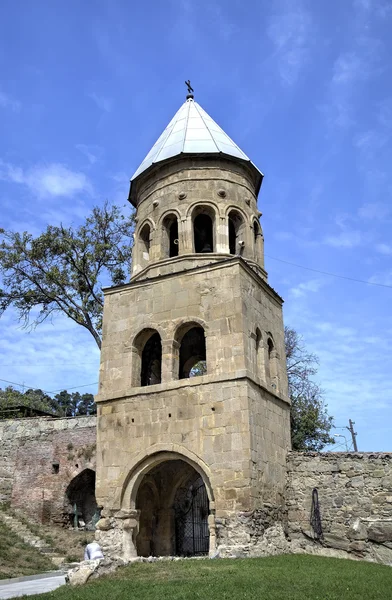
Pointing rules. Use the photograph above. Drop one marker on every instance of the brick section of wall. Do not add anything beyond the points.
(355, 499)
(29, 450)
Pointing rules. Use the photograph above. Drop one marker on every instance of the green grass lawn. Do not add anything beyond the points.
(295, 577)
(17, 558)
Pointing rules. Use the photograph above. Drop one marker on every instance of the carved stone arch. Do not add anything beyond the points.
(158, 521)
(167, 213)
(240, 210)
(178, 323)
(209, 203)
(146, 460)
(140, 226)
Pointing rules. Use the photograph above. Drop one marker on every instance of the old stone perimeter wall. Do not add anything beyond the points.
(29, 451)
(355, 500)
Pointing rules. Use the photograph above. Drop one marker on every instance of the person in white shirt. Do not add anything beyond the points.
(93, 551)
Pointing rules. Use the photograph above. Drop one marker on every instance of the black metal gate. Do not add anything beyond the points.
(191, 519)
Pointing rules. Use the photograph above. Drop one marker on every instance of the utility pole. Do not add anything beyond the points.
(353, 434)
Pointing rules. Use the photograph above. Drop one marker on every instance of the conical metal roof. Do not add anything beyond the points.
(191, 131)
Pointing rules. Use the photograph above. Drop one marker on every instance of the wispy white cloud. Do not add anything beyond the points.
(357, 64)
(55, 355)
(374, 211)
(344, 239)
(384, 249)
(92, 152)
(45, 181)
(290, 32)
(310, 286)
(103, 102)
(6, 101)
(382, 278)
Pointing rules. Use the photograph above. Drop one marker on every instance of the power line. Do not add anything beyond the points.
(330, 274)
(23, 385)
(76, 387)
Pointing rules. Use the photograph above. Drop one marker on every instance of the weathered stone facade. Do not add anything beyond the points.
(40, 458)
(355, 499)
(199, 291)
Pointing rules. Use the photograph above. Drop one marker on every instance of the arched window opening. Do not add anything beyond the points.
(144, 237)
(232, 237)
(151, 368)
(258, 242)
(256, 231)
(203, 233)
(170, 240)
(236, 232)
(192, 359)
(270, 345)
(273, 378)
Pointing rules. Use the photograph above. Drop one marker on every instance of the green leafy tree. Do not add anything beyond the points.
(310, 422)
(15, 404)
(63, 269)
(74, 404)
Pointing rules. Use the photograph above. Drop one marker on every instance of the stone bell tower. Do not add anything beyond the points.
(193, 408)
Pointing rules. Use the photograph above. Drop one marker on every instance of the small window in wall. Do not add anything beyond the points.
(144, 237)
(232, 237)
(270, 345)
(256, 231)
(258, 241)
(236, 232)
(203, 233)
(193, 353)
(259, 344)
(170, 236)
(151, 367)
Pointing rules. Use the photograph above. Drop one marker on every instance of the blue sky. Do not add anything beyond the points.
(303, 87)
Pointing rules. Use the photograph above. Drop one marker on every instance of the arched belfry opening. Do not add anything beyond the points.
(170, 242)
(147, 362)
(203, 219)
(151, 361)
(80, 494)
(174, 507)
(257, 241)
(192, 356)
(236, 232)
(145, 242)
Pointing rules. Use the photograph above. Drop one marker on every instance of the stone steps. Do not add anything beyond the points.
(22, 531)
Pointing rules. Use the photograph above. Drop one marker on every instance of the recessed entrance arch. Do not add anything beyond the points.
(172, 500)
(80, 494)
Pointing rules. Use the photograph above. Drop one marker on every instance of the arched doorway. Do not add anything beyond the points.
(80, 494)
(174, 508)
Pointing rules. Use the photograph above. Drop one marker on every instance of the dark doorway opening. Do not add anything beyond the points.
(81, 496)
(191, 508)
(174, 508)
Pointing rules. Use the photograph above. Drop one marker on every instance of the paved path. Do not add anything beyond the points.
(36, 584)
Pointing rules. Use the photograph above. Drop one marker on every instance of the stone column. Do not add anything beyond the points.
(130, 531)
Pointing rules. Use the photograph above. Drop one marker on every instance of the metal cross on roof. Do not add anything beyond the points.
(190, 89)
